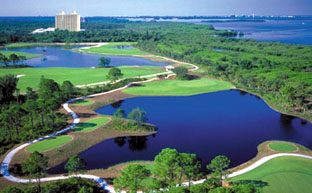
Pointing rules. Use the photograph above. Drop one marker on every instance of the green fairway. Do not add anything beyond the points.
(282, 147)
(78, 76)
(49, 144)
(178, 88)
(83, 102)
(110, 50)
(91, 124)
(28, 56)
(281, 175)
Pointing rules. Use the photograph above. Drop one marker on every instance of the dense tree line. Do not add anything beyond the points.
(25, 117)
(172, 168)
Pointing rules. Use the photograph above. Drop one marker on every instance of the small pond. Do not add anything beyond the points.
(123, 47)
(230, 122)
(59, 57)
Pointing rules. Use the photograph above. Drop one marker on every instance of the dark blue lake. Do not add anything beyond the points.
(232, 123)
(58, 57)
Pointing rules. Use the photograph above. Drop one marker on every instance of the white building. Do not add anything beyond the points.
(70, 22)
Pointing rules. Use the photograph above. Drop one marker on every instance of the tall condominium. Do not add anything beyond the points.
(70, 22)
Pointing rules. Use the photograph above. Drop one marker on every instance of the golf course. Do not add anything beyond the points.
(94, 129)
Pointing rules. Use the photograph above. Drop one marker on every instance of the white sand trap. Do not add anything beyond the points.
(21, 75)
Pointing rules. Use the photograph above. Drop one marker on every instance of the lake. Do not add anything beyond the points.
(230, 122)
(284, 31)
(59, 57)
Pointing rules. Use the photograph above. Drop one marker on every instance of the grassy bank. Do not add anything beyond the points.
(282, 147)
(83, 102)
(49, 144)
(22, 45)
(91, 125)
(19, 54)
(283, 174)
(110, 49)
(179, 88)
(78, 76)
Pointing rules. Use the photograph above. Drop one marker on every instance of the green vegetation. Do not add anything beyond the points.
(83, 102)
(75, 164)
(282, 147)
(170, 168)
(218, 167)
(26, 117)
(91, 125)
(49, 144)
(22, 45)
(78, 76)
(71, 185)
(113, 49)
(136, 121)
(104, 62)
(178, 87)
(35, 167)
(283, 174)
(132, 177)
(19, 54)
(181, 73)
(114, 74)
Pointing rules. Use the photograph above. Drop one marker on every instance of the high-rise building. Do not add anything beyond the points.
(70, 22)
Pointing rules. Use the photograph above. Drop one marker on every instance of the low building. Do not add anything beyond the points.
(42, 30)
(70, 22)
(169, 68)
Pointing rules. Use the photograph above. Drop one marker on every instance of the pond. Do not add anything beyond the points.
(59, 57)
(232, 123)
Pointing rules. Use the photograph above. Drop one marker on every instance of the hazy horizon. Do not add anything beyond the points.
(157, 8)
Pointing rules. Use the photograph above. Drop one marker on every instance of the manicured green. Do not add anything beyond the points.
(78, 76)
(27, 55)
(83, 102)
(109, 50)
(282, 175)
(177, 87)
(282, 147)
(49, 144)
(91, 124)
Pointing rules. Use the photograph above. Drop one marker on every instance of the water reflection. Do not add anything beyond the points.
(120, 141)
(137, 143)
(117, 104)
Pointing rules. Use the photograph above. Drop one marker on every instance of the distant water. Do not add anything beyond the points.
(284, 31)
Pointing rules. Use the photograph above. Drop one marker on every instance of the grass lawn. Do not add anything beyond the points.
(91, 124)
(178, 88)
(110, 50)
(281, 175)
(49, 144)
(78, 76)
(22, 45)
(282, 147)
(28, 56)
(83, 102)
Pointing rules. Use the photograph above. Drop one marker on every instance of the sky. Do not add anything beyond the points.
(155, 7)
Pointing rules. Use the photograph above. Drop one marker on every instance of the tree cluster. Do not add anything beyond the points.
(172, 168)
